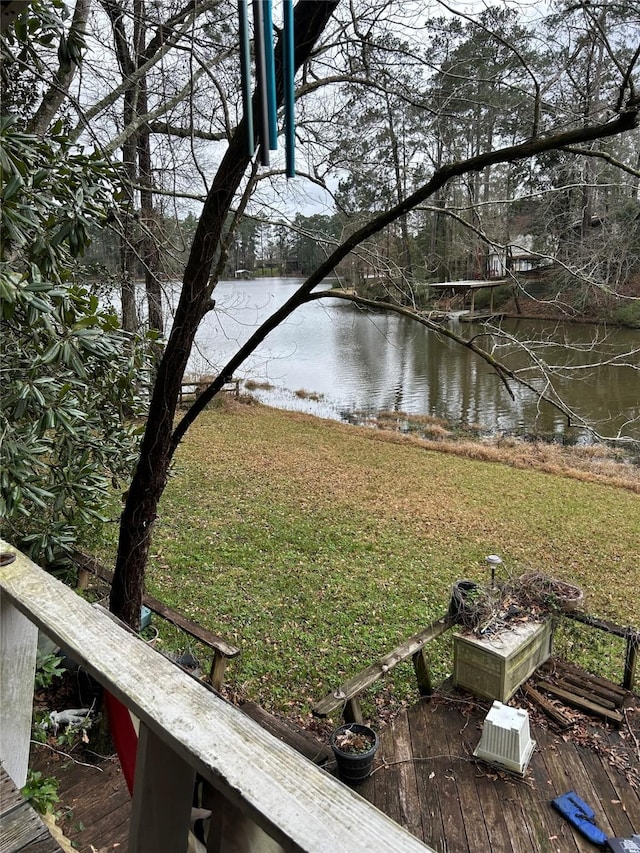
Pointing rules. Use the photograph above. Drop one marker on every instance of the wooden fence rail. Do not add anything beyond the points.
(221, 649)
(191, 389)
(266, 791)
(346, 696)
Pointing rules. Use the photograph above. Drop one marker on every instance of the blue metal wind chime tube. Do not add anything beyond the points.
(261, 81)
(245, 74)
(270, 74)
(266, 120)
(289, 88)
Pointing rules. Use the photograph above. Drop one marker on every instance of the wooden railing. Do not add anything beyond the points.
(222, 651)
(264, 793)
(346, 698)
(629, 634)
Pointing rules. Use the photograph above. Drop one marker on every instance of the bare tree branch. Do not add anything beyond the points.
(603, 155)
(162, 47)
(626, 121)
(168, 129)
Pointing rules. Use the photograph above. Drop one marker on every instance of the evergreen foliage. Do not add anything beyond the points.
(69, 373)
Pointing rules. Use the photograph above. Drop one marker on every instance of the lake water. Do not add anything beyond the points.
(360, 363)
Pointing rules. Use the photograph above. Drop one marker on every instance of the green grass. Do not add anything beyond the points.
(317, 547)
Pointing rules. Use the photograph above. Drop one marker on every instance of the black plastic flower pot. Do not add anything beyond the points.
(461, 604)
(354, 766)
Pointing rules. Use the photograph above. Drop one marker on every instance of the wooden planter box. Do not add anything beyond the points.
(496, 665)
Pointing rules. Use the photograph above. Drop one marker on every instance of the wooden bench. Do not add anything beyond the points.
(222, 650)
(193, 389)
(346, 696)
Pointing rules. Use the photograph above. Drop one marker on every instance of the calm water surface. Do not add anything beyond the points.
(362, 363)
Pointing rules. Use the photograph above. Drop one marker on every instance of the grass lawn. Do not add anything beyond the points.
(317, 546)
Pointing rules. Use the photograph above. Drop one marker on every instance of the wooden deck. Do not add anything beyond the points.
(95, 806)
(427, 780)
(20, 827)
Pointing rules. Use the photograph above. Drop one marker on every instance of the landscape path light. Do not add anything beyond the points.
(494, 561)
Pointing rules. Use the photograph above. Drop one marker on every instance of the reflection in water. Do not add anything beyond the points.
(368, 362)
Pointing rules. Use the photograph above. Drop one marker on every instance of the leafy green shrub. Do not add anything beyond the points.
(71, 377)
(41, 791)
(48, 667)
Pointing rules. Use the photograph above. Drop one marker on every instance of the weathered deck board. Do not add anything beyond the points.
(549, 757)
(21, 829)
(492, 807)
(425, 750)
(105, 807)
(608, 789)
(446, 772)
(475, 827)
(545, 825)
(409, 801)
(385, 782)
(95, 799)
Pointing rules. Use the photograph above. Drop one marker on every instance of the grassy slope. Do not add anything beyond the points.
(316, 546)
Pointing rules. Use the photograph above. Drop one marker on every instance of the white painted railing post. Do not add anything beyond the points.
(162, 798)
(231, 831)
(18, 648)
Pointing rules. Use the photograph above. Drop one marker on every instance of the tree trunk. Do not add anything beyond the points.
(128, 256)
(59, 90)
(400, 176)
(150, 250)
(592, 99)
(150, 477)
(149, 243)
